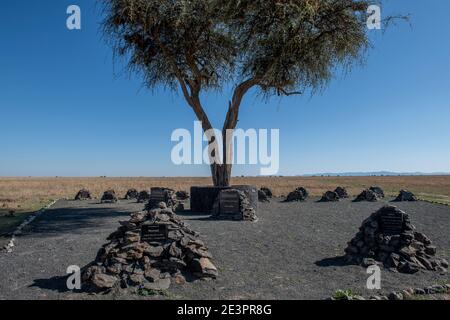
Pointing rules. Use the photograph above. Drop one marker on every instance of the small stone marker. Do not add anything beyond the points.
(233, 204)
(109, 196)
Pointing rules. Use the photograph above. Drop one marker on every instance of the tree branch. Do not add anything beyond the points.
(233, 108)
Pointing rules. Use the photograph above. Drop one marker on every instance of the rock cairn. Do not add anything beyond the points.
(299, 194)
(405, 195)
(244, 210)
(143, 196)
(131, 194)
(329, 196)
(388, 238)
(262, 196)
(182, 195)
(378, 191)
(149, 251)
(109, 196)
(367, 195)
(342, 192)
(267, 191)
(165, 195)
(83, 194)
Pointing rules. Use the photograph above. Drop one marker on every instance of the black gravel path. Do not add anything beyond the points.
(292, 252)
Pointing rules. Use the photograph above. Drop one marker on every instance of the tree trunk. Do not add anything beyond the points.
(221, 174)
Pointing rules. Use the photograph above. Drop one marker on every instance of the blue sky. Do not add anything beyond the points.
(67, 110)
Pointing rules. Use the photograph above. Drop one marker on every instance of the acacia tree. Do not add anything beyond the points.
(281, 47)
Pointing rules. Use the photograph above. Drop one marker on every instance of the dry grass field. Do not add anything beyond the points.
(26, 195)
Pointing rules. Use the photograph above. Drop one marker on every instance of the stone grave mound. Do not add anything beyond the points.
(233, 204)
(262, 196)
(388, 238)
(267, 191)
(378, 191)
(405, 195)
(143, 196)
(83, 194)
(342, 192)
(182, 195)
(367, 195)
(158, 195)
(150, 251)
(299, 194)
(109, 196)
(329, 196)
(132, 194)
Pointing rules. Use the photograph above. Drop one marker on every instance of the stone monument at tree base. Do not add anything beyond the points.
(203, 197)
(388, 238)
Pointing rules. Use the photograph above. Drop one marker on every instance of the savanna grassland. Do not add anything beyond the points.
(25, 195)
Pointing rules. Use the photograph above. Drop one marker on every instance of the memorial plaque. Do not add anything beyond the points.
(391, 222)
(157, 195)
(154, 233)
(229, 203)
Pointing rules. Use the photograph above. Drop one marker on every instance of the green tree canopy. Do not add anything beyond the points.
(281, 47)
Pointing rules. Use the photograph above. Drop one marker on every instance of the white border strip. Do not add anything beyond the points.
(9, 247)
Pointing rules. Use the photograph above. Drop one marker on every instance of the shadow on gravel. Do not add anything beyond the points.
(55, 283)
(333, 262)
(71, 220)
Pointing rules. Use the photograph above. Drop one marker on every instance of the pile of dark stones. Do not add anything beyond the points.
(378, 191)
(150, 251)
(299, 194)
(143, 196)
(109, 196)
(330, 196)
(388, 238)
(182, 195)
(366, 195)
(83, 194)
(406, 294)
(341, 192)
(267, 191)
(131, 194)
(233, 204)
(262, 196)
(405, 195)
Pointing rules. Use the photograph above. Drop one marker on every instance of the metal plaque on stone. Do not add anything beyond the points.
(391, 222)
(229, 203)
(154, 233)
(157, 195)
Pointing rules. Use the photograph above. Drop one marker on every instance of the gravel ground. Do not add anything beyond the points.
(292, 252)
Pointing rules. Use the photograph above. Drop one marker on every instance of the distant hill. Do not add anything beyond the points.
(378, 173)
